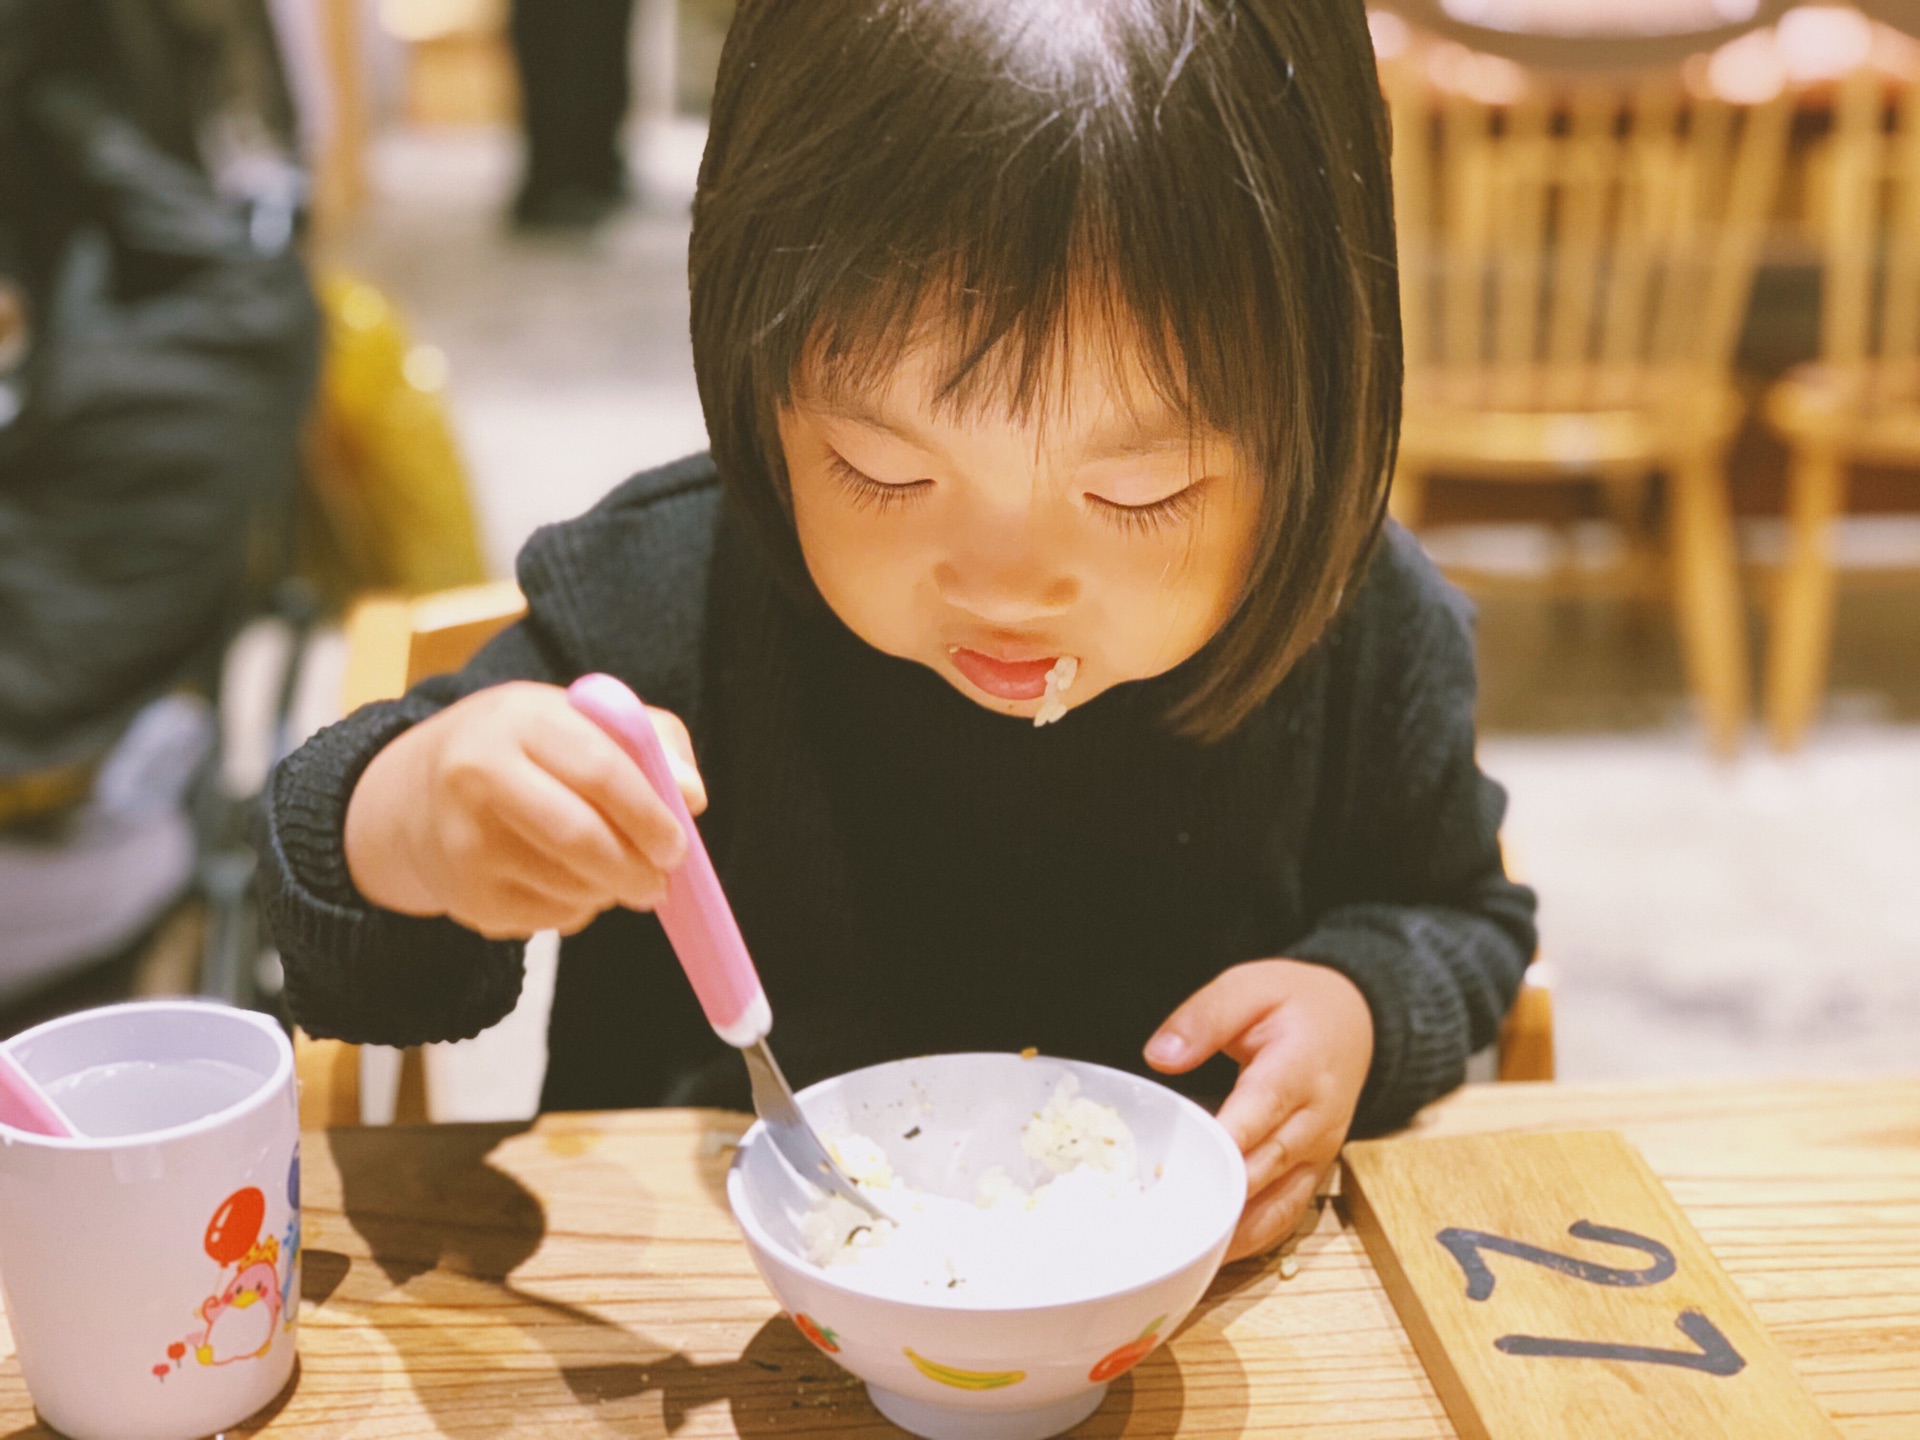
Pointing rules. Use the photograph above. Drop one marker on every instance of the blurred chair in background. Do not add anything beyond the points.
(1576, 257)
(1859, 403)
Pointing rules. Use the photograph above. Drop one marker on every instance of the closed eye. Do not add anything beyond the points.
(869, 493)
(1156, 517)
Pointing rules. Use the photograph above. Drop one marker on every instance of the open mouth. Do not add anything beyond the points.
(1004, 679)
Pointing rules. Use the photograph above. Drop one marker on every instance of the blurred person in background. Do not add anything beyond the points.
(157, 349)
(574, 90)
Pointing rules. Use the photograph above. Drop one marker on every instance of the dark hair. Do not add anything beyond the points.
(1209, 177)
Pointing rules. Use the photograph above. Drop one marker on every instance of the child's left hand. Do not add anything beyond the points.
(1303, 1037)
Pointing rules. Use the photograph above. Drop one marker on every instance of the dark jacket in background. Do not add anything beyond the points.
(172, 357)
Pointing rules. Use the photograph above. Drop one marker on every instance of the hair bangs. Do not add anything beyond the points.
(997, 346)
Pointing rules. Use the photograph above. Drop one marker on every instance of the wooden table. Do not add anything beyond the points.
(581, 1276)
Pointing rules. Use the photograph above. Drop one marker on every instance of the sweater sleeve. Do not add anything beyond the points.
(354, 971)
(1417, 909)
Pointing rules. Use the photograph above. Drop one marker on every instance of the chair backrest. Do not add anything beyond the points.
(1869, 203)
(392, 643)
(1575, 242)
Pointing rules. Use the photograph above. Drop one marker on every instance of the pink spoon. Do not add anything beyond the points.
(25, 1106)
(705, 936)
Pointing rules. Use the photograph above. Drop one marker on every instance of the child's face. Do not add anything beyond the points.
(988, 547)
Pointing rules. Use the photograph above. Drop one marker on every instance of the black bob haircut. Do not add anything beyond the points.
(1207, 179)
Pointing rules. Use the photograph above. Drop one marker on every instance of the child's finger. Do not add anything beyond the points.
(1304, 1138)
(1268, 1161)
(1209, 1020)
(1274, 1214)
(588, 762)
(673, 734)
(1267, 1093)
(514, 910)
(559, 825)
(608, 870)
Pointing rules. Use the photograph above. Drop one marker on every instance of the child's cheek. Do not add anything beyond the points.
(864, 567)
(1164, 606)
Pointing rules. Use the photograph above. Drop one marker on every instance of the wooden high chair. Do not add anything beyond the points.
(393, 643)
(1860, 402)
(1576, 256)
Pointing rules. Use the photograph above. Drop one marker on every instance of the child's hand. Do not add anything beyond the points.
(511, 812)
(1303, 1037)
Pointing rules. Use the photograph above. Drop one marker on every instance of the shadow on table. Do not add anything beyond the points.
(445, 1208)
(782, 1386)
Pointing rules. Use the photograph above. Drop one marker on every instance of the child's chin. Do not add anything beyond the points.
(1019, 709)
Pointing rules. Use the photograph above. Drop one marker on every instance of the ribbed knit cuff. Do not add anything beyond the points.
(1419, 1022)
(308, 795)
(354, 971)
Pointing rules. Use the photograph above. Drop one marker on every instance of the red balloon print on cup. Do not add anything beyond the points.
(236, 1225)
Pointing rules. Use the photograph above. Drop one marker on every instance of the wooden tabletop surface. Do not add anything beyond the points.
(581, 1276)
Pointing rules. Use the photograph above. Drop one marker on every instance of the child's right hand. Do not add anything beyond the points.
(511, 812)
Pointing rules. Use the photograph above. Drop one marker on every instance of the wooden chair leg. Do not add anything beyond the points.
(1802, 638)
(410, 1104)
(329, 1081)
(1713, 632)
(1526, 1037)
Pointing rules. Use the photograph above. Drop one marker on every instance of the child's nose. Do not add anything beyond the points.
(1005, 590)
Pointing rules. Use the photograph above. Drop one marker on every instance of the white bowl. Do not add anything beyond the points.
(960, 1371)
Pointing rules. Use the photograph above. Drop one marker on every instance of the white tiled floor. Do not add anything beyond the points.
(1704, 919)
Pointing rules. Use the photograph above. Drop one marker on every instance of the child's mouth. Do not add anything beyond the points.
(1004, 679)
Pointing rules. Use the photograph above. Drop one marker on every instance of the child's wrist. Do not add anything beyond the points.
(379, 853)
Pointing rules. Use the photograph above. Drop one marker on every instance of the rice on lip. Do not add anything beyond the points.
(1091, 1224)
(1052, 707)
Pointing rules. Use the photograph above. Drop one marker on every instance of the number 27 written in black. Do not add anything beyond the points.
(1715, 1353)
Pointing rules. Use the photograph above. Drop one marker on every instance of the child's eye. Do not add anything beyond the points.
(1151, 519)
(868, 492)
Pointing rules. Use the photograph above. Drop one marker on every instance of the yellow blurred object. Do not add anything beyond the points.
(393, 506)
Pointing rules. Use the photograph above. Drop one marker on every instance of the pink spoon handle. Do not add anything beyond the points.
(695, 913)
(24, 1106)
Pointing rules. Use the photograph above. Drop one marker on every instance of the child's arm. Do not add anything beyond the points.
(407, 851)
(1420, 939)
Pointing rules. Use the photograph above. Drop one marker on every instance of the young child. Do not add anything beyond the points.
(1050, 354)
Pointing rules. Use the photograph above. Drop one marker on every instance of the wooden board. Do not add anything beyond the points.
(1554, 1291)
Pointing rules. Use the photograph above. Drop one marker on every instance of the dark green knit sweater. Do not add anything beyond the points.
(915, 873)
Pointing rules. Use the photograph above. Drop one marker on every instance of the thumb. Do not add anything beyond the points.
(679, 747)
(1210, 1020)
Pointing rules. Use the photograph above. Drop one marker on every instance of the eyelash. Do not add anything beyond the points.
(1156, 518)
(1162, 515)
(869, 493)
